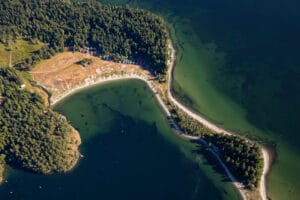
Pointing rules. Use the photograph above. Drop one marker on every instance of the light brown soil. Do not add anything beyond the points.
(61, 74)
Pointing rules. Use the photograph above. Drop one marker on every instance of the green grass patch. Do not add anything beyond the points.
(19, 49)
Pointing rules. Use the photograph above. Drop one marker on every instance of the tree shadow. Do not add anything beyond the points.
(210, 159)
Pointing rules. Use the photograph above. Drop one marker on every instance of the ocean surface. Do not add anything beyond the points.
(238, 65)
(129, 151)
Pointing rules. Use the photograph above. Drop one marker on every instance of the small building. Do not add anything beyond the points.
(22, 86)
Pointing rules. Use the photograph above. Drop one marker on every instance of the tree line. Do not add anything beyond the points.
(112, 30)
(32, 136)
(243, 158)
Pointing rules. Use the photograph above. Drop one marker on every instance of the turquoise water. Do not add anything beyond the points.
(238, 66)
(129, 151)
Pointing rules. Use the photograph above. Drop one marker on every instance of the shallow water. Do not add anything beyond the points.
(238, 66)
(213, 38)
(129, 153)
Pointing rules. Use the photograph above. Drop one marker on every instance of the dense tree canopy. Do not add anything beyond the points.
(32, 136)
(115, 31)
(2, 166)
(242, 157)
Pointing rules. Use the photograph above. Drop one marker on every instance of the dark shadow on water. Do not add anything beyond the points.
(211, 160)
(130, 161)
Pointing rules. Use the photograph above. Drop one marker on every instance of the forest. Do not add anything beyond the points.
(32, 136)
(242, 157)
(2, 167)
(114, 31)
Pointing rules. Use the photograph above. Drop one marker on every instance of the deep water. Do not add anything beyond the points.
(129, 151)
(238, 65)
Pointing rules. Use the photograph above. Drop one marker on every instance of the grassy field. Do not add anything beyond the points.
(20, 50)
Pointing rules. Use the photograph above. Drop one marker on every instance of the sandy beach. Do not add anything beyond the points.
(210, 125)
(138, 73)
(266, 169)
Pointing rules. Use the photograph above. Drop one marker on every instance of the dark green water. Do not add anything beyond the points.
(129, 153)
(238, 65)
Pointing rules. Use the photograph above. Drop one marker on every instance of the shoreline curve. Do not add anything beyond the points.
(212, 126)
(199, 118)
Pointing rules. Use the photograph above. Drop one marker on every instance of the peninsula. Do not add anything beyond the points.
(95, 43)
(63, 75)
(32, 136)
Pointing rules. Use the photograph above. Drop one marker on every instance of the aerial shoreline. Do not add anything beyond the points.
(2, 175)
(201, 119)
(210, 125)
(266, 169)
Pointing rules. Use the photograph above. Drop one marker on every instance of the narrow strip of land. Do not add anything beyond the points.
(213, 127)
(266, 169)
(238, 185)
(64, 86)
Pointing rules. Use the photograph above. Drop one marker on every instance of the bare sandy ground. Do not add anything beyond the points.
(214, 127)
(266, 169)
(62, 77)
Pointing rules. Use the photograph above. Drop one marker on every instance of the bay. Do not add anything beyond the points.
(129, 151)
